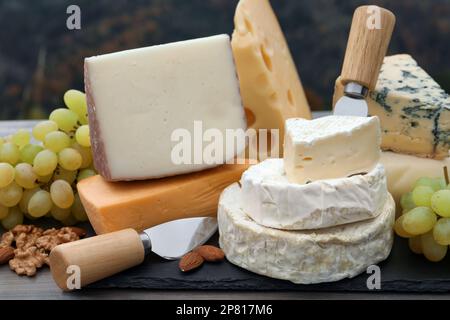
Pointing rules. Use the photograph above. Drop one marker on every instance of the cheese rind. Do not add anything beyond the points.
(414, 110)
(272, 201)
(330, 147)
(113, 206)
(304, 257)
(270, 85)
(403, 171)
(138, 99)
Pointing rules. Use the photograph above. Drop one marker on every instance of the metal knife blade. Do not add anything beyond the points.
(174, 239)
(347, 106)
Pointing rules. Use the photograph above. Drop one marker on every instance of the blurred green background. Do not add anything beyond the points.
(40, 58)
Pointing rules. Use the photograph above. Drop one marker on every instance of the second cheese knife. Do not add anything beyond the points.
(102, 256)
(367, 45)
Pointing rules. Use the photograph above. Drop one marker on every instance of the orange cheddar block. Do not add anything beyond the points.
(113, 206)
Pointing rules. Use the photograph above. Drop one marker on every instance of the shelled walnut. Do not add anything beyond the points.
(26, 247)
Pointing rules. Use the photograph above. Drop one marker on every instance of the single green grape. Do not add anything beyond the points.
(407, 201)
(440, 203)
(415, 244)
(432, 250)
(66, 175)
(57, 141)
(66, 119)
(62, 194)
(441, 232)
(28, 152)
(25, 176)
(82, 136)
(419, 220)
(40, 204)
(4, 211)
(70, 159)
(43, 128)
(21, 138)
(435, 183)
(45, 163)
(78, 210)
(9, 153)
(398, 228)
(421, 196)
(14, 218)
(27, 194)
(86, 154)
(7, 174)
(10, 196)
(76, 101)
(85, 173)
(59, 213)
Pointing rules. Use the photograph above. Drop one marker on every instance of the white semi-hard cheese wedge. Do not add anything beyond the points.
(331, 147)
(304, 257)
(272, 201)
(138, 98)
(270, 85)
(403, 171)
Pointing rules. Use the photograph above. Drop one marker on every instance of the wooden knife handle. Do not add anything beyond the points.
(370, 34)
(95, 258)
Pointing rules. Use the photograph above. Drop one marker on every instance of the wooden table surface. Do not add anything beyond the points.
(43, 287)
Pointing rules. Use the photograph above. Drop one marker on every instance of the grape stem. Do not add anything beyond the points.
(446, 175)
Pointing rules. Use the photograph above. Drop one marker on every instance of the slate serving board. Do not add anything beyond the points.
(403, 271)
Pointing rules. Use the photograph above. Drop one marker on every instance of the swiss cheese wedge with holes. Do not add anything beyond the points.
(270, 85)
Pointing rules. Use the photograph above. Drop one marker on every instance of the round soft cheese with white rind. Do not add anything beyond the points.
(272, 201)
(303, 257)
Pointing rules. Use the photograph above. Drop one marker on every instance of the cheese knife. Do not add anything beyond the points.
(102, 256)
(369, 38)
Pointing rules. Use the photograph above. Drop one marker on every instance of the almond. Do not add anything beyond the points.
(78, 231)
(210, 253)
(191, 261)
(6, 254)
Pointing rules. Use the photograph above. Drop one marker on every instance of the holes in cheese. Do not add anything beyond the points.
(270, 85)
(248, 25)
(266, 58)
(290, 97)
(250, 117)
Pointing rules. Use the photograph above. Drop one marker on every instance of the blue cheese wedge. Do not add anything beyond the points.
(413, 109)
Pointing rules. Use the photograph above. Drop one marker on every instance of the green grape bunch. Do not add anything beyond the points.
(425, 221)
(39, 169)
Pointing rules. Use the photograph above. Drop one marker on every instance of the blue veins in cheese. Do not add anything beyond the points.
(413, 109)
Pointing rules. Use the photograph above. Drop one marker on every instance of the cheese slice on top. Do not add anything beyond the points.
(138, 99)
(270, 85)
(331, 147)
(413, 109)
